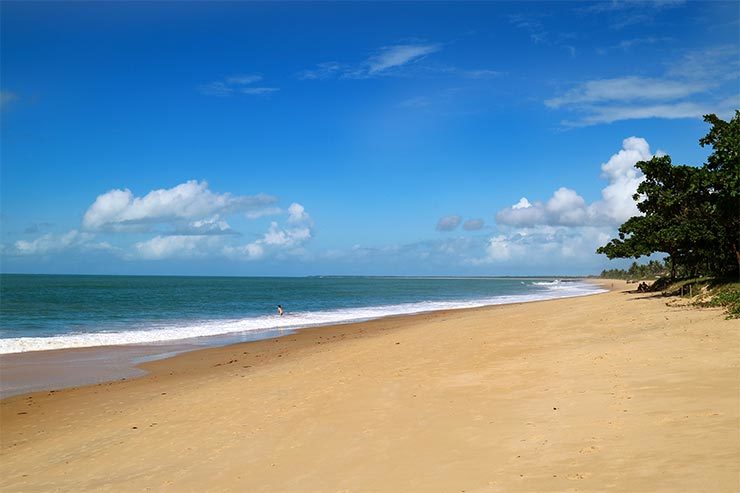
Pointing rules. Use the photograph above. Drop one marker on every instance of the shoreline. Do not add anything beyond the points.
(37, 371)
(610, 392)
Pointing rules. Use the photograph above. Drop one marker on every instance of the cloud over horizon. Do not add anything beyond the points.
(564, 226)
(193, 219)
(190, 203)
(448, 223)
(288, 239)
(567, 208)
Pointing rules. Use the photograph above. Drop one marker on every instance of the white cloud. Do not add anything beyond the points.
(546, 246)
(448, 223)
(217, 89)
(213, 225)
(192, 200)
(499, 248)
(610, 114)
(617, 5)
(243, 79)
(627, 89)
(628, 44)
(624, 13)
(267, 211)
(395, 60)
(277, 239)
(719, 63)
(297, 214)
(258, 90)
(177, 246)
(195, 215)
(52, 243)
(699, 82)
(397, 55)
(285, 238)
(322, 71)
(522, 204)
(473, 224)
(617, 204)
(237, 84)
(388, 60)
(274, 241)
(532, 25)
(567, 208)
(481, 74)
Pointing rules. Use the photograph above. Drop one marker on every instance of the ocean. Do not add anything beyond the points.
(43, 312)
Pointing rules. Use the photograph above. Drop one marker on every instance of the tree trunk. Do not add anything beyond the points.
(737, 257)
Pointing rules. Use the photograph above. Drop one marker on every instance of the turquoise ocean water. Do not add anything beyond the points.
(39, 312)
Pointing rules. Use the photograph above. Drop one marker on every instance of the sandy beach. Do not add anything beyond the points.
(615, 391)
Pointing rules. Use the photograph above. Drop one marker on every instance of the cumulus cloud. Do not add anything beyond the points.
(567, 208)
(473, 224)
(546, 246)
(190, 201)
(277, 239)
(448, 223)
(499, 248)
(285, 237)
(297, 214)
(209, 226)
(195, 220)
(52, 243)
(175, 246)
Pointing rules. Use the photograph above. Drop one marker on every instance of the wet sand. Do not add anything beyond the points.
(608, 392)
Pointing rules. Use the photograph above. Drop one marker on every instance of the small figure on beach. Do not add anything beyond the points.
(280, 310)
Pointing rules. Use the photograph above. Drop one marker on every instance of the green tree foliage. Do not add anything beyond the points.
(650, 270)
(723, 180)
(690, 213)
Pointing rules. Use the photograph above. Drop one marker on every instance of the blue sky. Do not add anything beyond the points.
(345, 138)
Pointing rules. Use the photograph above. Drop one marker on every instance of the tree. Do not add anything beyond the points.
(724, 180)
(690, 213)
(671, 222)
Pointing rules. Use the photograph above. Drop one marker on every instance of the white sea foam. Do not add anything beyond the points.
(211, 328)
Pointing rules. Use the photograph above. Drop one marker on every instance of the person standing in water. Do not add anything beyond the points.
(280, 310)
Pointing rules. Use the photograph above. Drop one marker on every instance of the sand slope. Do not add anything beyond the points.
(608, 392)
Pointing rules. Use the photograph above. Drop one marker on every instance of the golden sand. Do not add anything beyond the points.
(609, 392)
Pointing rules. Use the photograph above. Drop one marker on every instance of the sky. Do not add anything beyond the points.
(291, 139)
